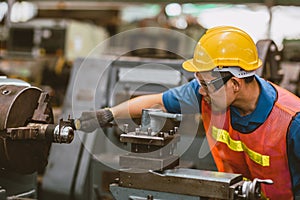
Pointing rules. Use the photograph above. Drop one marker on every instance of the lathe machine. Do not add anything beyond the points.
(151, 170)
(27, 131)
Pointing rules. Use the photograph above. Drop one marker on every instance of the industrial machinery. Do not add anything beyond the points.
(151, 170)
(91, 158)
(67, 38)
(271, 58)
(27, 131)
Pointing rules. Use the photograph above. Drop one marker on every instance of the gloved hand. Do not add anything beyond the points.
(91, 120)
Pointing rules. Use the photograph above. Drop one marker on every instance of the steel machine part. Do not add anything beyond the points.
(27, 131)
(91, 154)
(152, 171)
(190, 183)
(152, 148)
(26, 127)
(271, 58)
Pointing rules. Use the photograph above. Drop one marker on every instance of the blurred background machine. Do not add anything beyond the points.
(271, 59)
(57, 37)
(42, 51)
(27, 131)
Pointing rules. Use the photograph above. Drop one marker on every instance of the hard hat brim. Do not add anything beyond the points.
(189, 66)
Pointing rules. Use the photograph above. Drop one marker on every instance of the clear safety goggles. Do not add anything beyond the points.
(215, 84)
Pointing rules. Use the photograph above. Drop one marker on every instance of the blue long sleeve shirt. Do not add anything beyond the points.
(186, 99)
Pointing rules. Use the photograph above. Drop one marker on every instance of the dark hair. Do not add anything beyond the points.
(249, 79)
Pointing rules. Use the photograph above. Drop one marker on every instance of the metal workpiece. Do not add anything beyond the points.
(64, 131)
(51, 132)
(63, 134)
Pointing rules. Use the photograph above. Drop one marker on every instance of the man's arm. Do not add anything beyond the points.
(294, 154)
(133, 107)
(91, 120)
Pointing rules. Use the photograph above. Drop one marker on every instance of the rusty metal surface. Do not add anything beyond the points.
(17, 104)
(184, 181)
(43, 113)
(271, 58)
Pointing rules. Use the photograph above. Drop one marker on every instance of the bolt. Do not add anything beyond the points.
(125, 128)
(6, 92)
(175, 129)
(149, 131)
(137, 131)
(161, 134)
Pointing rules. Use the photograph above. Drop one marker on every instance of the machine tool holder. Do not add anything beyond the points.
(152, 170)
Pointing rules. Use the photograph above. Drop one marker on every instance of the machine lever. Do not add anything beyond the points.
(264, 181)
(252, 189)
(177, 117)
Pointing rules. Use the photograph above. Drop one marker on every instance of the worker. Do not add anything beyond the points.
(252, 125)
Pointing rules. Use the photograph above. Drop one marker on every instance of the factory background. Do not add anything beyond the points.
(96, 54)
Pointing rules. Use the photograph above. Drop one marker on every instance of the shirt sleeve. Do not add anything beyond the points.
(184, 99)
(294, 153)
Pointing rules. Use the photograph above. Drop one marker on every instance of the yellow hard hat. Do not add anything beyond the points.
(224, 46)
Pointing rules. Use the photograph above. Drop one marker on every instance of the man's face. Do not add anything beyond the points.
(214, 90)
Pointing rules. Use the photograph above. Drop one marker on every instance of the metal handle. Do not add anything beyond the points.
(252, 190)
(177, 117)
(264, 181)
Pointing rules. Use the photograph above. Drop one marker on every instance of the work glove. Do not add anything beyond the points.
(91, 120)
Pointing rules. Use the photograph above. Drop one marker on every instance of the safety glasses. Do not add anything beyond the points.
(213, 85)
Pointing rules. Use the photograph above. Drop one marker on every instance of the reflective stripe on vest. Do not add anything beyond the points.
(237, 152)
(236, 145)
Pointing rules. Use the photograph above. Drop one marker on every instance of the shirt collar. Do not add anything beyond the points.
(264, 105)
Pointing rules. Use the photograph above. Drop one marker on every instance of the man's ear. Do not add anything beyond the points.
(236, 83)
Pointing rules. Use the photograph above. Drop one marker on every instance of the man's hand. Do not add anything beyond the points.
(91, 120)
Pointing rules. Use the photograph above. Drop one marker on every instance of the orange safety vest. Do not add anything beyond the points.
(260, 154)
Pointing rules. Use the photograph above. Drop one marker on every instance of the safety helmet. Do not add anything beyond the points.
(223, 47)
